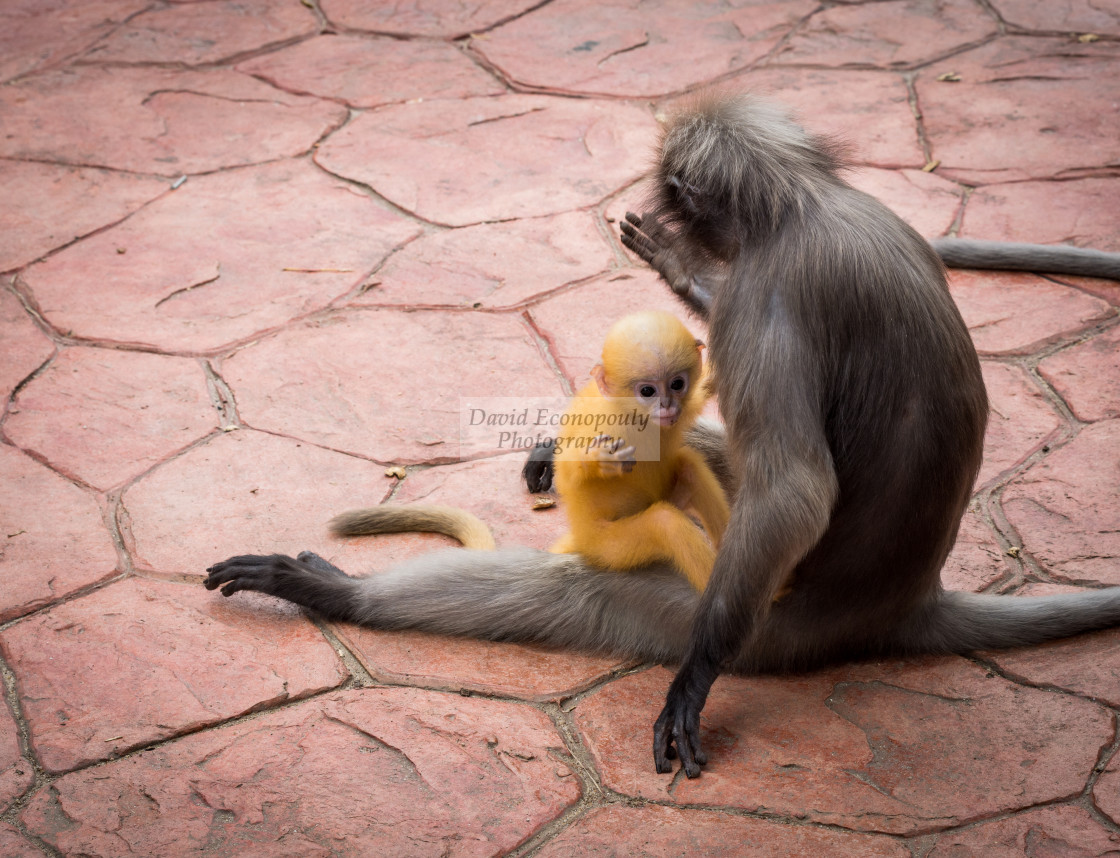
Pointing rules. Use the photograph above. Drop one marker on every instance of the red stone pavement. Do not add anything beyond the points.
(252, 253)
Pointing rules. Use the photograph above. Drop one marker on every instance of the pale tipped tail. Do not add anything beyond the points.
(968, 621)
(459, 524)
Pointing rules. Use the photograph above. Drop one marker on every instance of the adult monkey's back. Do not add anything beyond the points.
(855, 414)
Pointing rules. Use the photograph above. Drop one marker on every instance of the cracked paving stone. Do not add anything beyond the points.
(248, 492)
(610, 47)
(892, 35)
(1024, 108)
(198, 33)
(1065, 510)
(185, 658)
(1087, 376)
(440, 20)
(102, 416)
(15, 845)
(1088, 665)
(1076, 16)
(1049, 831)
(41, 34)
(576, 347)
(59, 204)
(1081, 212)
(350, 382)
(653, 831)
(491, 264)
(1106, 793)
(897, 747)
(26, 348)
(1020, 423)
(977, 560)
(154, 120)
(16, 773)
(925, 201)
(370, 71)
(1020, 314)
(190, 272)
(378, 771)
(487, 159)
(54, 539)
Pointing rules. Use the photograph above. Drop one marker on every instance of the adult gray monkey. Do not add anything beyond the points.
(855, 416)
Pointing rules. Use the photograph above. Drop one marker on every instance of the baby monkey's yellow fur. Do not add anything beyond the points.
(625, 502)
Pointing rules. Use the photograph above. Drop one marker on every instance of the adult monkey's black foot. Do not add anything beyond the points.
(679, 722)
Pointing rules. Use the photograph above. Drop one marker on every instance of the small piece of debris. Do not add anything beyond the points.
(122, 250)
(320, 270)
(931, 166)
(178, 183)
(114, 739)
(543, 503)
(230, 428)
(949, 77)
(396, 471)
(1088, 37)
(17, 533)
(1013, 551)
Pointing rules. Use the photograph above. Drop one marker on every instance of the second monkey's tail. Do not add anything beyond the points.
(961, 622)
(451, 521)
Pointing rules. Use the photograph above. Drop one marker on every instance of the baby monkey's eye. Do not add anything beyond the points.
(679, 383)
(646, 391)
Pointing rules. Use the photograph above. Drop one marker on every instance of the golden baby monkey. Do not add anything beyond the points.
(625, 488)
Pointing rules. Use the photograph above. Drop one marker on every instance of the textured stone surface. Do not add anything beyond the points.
(41, 34)
(1065, 507)
(195, 273)
(1014, 314)
(15, 845)
(1087, 376)
(868, 112)
(1106, 792)
(185, 658)
(371, 71)
(16, 773)
(1076, 16)
(1022, 109)
(1020, 422)
(491, 264)
(1058, 831)
(977, 560)
(434, 18)
(1081, 212)
(652, 831)
(198, 33)
(57, 204)
(621, 47)
(897, 747)
(159, 121)
(895, 34)
(598, 305)
(26, 347)
(102, 416)
(925, 201)
(245, 492)
(352, 382)
(1088, 665)
(493, 158)
(455, 664)
(417, 773)
(55, 541)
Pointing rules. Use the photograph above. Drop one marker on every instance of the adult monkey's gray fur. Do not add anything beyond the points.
(855, 416)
